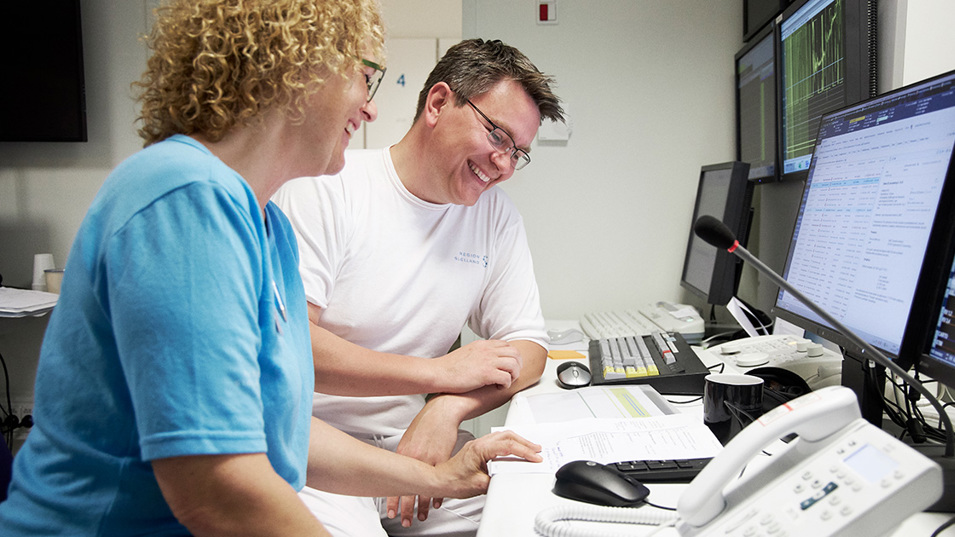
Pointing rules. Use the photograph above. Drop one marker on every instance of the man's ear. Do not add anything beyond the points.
(440, 98)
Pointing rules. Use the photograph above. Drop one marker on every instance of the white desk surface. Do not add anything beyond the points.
(513, 500)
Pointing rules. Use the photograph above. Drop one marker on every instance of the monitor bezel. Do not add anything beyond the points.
(753, 27)
(933, 281)
(768, 32)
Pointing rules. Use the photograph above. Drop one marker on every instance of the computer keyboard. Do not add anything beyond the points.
(668, 471)
(661, 359)
(659, 316)
(610, 324)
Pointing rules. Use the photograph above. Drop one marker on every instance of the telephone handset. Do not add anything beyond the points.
(842, 474)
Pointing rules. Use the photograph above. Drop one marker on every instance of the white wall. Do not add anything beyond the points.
(649, 87)
(929, 39)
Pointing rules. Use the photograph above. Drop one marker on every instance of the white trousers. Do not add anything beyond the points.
(353, 516)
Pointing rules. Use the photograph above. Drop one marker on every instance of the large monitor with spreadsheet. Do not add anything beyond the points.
(725, 192)
(826, 60)
(862, 233)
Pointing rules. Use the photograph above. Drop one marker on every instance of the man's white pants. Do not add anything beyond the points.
(352, 516)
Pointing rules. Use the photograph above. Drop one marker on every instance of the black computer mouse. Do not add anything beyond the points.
(573, 375)
(600, 484)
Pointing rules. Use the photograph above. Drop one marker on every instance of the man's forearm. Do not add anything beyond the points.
(476, 402)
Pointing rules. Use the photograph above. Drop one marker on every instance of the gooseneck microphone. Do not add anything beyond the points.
(715, 232)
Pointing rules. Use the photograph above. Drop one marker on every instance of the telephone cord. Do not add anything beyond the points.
(551, 522)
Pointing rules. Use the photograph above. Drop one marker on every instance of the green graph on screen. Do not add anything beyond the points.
(813, 77)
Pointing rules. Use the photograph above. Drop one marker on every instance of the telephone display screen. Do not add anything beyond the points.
(871, 463)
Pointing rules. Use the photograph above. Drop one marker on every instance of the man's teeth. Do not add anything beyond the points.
(477, 172)
(350, 129)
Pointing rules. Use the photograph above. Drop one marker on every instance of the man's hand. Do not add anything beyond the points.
(479, 364)
(431, 438)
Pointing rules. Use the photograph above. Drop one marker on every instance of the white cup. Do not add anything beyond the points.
(41, 263)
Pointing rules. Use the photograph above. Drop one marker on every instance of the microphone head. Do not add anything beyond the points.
(715, 232)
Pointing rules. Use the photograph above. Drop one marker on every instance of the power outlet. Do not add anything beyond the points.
(22, 408)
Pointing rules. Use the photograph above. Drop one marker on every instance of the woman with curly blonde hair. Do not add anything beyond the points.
(174, 388)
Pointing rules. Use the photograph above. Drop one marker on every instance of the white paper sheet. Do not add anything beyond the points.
(23, 302)
(675, 436)
(616, 401)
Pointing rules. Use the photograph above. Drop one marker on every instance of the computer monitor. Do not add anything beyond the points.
(827, 60)
(725, 192)
(757, 13)
(930, 334)
(861, 238)
(43, 91)
(756, 106)
(937, 338)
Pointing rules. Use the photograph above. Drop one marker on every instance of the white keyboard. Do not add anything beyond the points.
(611, 324)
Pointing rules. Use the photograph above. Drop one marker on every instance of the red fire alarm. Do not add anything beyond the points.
(547, 12)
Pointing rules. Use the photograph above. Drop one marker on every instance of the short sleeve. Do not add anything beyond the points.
(183, 288)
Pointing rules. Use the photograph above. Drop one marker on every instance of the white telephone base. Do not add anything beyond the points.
(848, 478)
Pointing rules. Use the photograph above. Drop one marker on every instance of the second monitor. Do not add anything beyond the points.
(724, 192)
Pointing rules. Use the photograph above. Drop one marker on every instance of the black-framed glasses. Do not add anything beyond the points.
(503, 143)
(373, 80)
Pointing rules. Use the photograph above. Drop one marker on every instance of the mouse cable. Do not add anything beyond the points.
(687, 402)
(549, 522)
(665, 508)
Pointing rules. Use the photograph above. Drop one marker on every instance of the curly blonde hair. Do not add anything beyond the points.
(217, 64)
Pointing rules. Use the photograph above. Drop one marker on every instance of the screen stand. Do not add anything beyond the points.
(867, 379)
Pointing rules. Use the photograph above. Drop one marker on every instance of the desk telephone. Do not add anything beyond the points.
(840, 476)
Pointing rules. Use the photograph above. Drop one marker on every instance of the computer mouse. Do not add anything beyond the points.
(572, 375)
(600, 484)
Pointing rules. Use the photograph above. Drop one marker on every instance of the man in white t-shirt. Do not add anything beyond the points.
(402, 249)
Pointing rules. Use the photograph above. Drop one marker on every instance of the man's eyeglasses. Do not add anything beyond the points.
(374, 80)
(503, 143)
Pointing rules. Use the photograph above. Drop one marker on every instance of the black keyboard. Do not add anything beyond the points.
(662, 359)
(669, 471)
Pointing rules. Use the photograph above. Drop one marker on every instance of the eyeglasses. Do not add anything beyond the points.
(503, 143)
(374, 80)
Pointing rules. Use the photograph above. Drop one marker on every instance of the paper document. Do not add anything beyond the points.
(620, 401)
(674, 436)
(23, 302)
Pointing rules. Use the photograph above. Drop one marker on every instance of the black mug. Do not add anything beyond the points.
(730, 403)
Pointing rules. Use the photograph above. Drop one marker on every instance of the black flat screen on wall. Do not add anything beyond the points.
(42, 97)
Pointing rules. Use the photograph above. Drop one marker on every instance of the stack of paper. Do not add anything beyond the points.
(23, 302)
